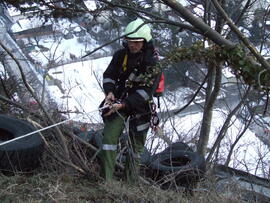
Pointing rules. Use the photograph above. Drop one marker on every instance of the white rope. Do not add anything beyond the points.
(46, 128)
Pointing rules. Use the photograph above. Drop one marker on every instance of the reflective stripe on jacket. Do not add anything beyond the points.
(115, 78)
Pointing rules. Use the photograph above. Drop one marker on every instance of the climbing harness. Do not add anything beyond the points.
(154, 122)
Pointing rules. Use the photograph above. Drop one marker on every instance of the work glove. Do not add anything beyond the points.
(113, 108)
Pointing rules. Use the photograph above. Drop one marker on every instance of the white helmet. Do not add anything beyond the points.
(143, 33)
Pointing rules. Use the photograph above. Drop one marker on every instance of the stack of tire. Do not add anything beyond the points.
(23, 154)
(177, 165)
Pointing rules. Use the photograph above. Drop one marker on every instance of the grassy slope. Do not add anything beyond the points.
(55, 182)
(53, 187)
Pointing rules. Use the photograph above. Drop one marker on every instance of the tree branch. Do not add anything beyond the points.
(224, 128)
(29, 88)
(252, 49)
(166, 21)
(199, 24)
(11, 102)
(122, 36)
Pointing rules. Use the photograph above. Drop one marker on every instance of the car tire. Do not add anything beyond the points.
(93, 137)
(179, 146)
(189, 167)
(23, 154)
(145, 158)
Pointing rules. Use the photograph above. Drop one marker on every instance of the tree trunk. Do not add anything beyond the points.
(211, 97)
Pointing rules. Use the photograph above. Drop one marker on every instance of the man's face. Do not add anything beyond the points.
(135, 46)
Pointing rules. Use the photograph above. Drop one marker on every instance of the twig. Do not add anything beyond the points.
(252, 49)
(31, 91)
(122, 36)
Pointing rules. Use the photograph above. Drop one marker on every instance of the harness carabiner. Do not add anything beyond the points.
(153, 107)
(154, 121)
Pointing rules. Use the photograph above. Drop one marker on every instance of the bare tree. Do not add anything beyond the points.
(225, 43)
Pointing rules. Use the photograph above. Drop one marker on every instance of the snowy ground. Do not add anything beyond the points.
(82, 84)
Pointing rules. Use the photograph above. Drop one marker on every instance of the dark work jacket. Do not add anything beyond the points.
(136, 97)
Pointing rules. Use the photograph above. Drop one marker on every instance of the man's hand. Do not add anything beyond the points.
(114, 107)
(110, 98)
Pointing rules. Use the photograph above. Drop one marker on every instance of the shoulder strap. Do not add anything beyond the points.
(124, 65)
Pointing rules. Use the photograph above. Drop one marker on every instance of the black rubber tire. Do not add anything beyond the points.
(179, 146)
(188, 166)
(177, 160)
(97, 138)
(85, 136)
(145, 157)
(91, 136)
(21, 155)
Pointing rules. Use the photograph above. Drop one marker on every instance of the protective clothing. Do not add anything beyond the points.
(111, 133)
(139, 66)
(129, 85)
(143, 32)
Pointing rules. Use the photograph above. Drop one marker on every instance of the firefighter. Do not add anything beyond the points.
(128, 85)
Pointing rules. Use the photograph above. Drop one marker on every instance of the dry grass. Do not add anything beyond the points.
(56, 182)
(63, 187)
